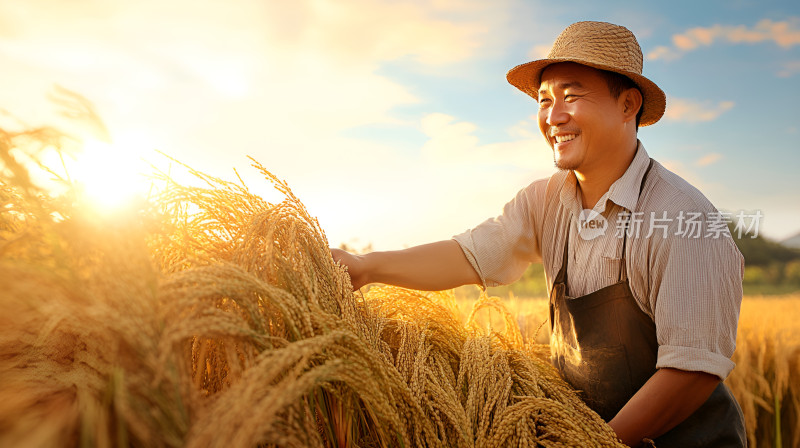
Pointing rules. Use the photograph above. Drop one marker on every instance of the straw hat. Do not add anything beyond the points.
(600, 45)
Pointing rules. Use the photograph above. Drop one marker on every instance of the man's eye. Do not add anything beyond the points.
(570, 97)
(543, 102)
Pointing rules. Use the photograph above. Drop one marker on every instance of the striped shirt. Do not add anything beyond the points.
(684, 268)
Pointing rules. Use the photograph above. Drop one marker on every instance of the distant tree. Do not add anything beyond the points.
(760, 251)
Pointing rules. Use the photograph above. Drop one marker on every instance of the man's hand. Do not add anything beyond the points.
(355, 267)
(429, 267)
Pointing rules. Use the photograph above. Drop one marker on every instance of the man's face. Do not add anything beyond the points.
(578, 116)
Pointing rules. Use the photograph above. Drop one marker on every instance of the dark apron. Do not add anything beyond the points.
(605, 346)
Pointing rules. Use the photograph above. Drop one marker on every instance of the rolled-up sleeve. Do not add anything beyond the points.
(696, 298)
(501, 248)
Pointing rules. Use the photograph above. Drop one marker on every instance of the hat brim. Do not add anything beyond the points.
(526, 77)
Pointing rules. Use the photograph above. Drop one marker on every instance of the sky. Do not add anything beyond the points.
(392, 121)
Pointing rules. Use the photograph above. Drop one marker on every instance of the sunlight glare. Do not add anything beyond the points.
(110, 175)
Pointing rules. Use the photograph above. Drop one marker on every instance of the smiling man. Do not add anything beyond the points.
(643, 318)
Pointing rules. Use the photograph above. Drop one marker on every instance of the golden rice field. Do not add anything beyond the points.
(209, 317)
(766, 380)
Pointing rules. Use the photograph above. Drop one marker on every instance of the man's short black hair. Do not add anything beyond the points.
(619, 83)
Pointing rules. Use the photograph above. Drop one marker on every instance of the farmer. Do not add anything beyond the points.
(645, 280)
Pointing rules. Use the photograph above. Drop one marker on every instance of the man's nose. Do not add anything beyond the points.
(557, 114)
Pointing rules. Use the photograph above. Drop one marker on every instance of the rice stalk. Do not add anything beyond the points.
(210, 317)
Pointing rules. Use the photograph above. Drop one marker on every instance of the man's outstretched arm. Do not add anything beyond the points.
(665, 400)
(429, 267)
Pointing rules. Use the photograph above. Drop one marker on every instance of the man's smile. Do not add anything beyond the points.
(564, 138)
(560, 139)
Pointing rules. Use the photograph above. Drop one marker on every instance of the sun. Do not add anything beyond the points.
(110, 176)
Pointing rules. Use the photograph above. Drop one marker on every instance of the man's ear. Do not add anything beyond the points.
(631, 102)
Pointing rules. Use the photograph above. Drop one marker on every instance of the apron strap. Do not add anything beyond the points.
(623, 270)
(561, 277)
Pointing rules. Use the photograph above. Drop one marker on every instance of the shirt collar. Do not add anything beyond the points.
(569, 194)
(624, 191)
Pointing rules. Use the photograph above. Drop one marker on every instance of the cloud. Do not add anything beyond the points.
(527, 129)
(318, 60)
(285, 82)
(453, 142)
(789, 69)
(360, 29)
(539, 52)
(449, 140)
(454, 183)
(663, 53)
(708, 159)
(785, 34)
(265, 78)
(689, 175)
(688, 110)
(473, 178)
